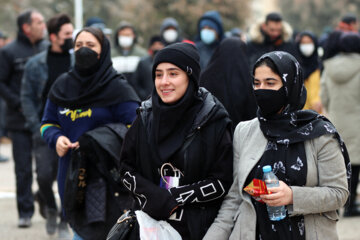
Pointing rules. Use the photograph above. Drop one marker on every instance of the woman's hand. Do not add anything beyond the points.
(63, 145)
(279, 196)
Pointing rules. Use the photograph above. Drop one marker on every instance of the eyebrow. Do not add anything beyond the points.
(268, 79)
(86, 42)
(272, 79)
(169, 69)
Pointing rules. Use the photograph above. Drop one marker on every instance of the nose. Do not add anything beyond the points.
(164, 80)
(262, 86)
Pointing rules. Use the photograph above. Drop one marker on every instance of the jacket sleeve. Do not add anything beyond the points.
(12, 99)
(125, 112)
(27, 96)
(224, 222)
(155, 201)
(324, 95)
(331, 191)
(50, 128)
(217, 182)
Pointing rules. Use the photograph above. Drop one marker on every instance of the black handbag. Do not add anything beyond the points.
(124, 227)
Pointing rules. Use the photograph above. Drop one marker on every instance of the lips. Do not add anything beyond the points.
(167, 91)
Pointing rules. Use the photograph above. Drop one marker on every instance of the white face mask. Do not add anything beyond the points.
(170, 35)
(125, 41)
(307, 49)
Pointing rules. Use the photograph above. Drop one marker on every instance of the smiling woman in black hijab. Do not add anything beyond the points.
(305, 152)
(227, 77)
(177, 156)
(88, 96)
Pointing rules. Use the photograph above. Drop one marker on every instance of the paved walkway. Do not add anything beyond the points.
(8, 212)
(348, 228)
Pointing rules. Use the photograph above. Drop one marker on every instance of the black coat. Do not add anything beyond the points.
(205, 160)
(228, 78)
(13, 58)
(259, 43)
(93, 208)
(141, 79)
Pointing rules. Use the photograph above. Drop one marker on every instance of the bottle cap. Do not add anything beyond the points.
(266, 168)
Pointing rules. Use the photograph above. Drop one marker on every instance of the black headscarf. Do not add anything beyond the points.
(228, 78)
(103, 87)
(286, 133)
(171, 123)
(311, 63)
(294, 125)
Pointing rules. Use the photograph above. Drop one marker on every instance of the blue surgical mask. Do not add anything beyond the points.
(207, 36)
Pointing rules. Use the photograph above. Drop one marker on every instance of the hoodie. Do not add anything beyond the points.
(206, 51)
(340, 84)
(170, 22)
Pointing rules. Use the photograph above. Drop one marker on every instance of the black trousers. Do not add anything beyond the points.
(46, 169)
(355, 170)
(21, 148)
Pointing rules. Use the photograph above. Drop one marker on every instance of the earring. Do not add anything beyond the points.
(189, 70)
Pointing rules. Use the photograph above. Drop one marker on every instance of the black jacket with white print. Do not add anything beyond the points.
(205, 162)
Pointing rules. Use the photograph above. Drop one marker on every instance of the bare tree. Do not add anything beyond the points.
(145, 15)
(315, 15)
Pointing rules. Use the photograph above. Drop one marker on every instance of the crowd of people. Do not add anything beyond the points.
(178, 130)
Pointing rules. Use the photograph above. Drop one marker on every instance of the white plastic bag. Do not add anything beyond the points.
(151, 229)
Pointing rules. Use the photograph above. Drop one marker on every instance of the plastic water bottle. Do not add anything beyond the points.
(270, 179)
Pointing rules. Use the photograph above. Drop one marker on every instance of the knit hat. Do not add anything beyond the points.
(183, 55)
(349, 42)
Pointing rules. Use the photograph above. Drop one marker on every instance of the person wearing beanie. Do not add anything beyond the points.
(177, 156)
(210, 34)
(348, 23)
(141, 80)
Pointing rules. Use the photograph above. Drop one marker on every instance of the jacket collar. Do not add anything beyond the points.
(254, 146)
(257, 37)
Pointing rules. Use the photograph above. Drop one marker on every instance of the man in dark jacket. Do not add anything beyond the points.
(13, 57)
(3, 40)
(141, 79)
(40, 73)
(272, 35)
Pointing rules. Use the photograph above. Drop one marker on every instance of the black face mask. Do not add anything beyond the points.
(85, 59)
(270, 101)
(67, 45)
